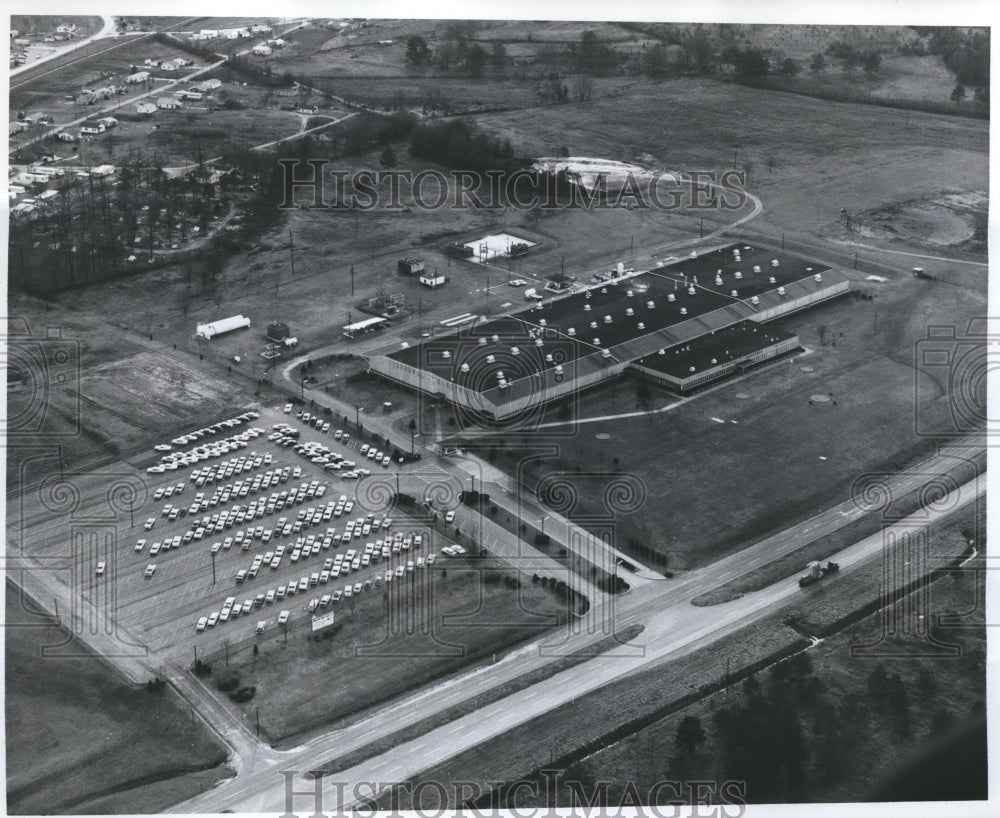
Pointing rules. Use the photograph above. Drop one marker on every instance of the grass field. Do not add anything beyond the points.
(868, 745)
(449, 618)
(612, 712)
(101, 743)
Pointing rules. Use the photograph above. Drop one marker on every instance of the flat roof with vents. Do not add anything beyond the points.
(620, 320)
(715, 349)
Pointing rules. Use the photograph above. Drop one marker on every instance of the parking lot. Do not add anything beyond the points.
(225, 531)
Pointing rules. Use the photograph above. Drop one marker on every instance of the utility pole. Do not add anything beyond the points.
(213, 567)
(352, 279)
(291, 253)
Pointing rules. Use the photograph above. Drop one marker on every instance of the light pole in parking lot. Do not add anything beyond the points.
(213, 568)
(542, 522)
(412, 436)
(357, 416)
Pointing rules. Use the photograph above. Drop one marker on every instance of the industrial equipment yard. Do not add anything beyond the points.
(497, 415)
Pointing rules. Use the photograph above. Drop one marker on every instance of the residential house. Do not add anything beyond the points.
(92, 127)
(146, 108)
(167, 102)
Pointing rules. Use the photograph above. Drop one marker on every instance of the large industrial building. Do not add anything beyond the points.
(683, 325)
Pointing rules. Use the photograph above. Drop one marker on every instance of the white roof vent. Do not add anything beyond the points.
(548, 358)
(650, 305)
(539, 342)
(772, 280)
(714, 361)
(734, 293)
(587, 294)
(606, 353)
(515, 350)
(781, 290)
(559, 369)
(571, 331)
(738, 275)
(629, 293)
(495, 339)
(542, 322)
(642, 325)
(670, 297)
(464, 367)
(754, 300)
(691, 290)
(500, 375)
(482, 342)
(774, 262)
(818, 277)
(405, 345)
(604, 290)
(662, 351)
(690, 369)
(630, 312)
(503, 383)
(718, 281)
(491, 359)
(756, 268)
(593, 325)
(684, 310)
(586, 307)
(597, 341)
(446, 354)
(607, 319)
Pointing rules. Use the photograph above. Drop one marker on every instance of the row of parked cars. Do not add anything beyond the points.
(311, 545)
(175, 460)
(232, 608)
(214, 429)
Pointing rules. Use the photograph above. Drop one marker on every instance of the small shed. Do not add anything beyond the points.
(278, 331)
(432, 280)
(410, 266)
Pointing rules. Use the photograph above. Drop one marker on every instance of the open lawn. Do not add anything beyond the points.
(427, 625)
(101, 742)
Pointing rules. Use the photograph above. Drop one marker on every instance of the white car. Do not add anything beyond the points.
(283, 617)
(202, 623)
(150, 523)
(150, 570)
(100, 569)
(449, 516)
(517, 282)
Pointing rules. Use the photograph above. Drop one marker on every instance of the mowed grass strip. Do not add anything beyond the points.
(476, 702)
(99, 735)
(575, 730)
(433, 622)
